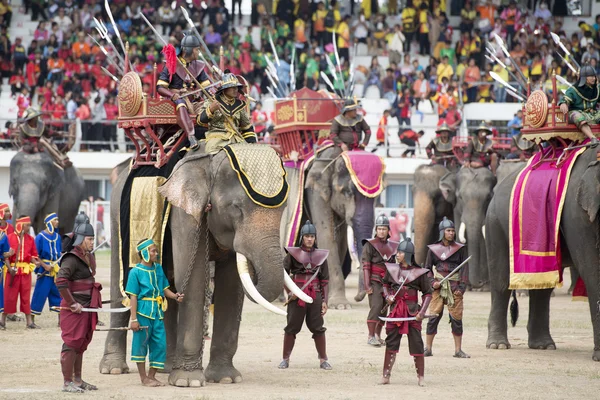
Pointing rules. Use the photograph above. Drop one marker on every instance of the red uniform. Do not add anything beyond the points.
(20, 284)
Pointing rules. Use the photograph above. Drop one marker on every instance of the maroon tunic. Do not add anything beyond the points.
(445, 260)
(302, 264)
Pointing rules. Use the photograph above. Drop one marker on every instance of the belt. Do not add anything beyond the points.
(26, 268)
(159, 300)
(52, 273)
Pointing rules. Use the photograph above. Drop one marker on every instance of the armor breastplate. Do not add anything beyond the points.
(195, 68)
(398, 273)
(386, 250)
(33, 132)
(482, 147)
(442, 252)
(441, 146)
(343, 121)
(309, 259)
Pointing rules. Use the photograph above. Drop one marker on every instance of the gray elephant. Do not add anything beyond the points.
(212, 218)
(579, 236)
(430, 207)
(333, 202)
(470, 191)
(38, 187)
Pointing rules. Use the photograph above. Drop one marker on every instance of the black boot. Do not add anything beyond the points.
(288, 345)
(320, 344)
(388, 364)
(420, 366)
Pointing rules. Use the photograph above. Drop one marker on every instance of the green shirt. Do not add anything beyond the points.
(581, 98)
(451, 53)
(312, 68)
(148, 283)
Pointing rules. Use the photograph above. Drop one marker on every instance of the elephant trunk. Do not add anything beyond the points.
(27, 202)
(424, 221)
(475, 243)
(253, 291)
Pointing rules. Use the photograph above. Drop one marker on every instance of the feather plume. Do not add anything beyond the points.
(170, 59)
(514, 309)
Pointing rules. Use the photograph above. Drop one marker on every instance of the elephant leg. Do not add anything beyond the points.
(499, 273)
(538, 325)
(187, 367)
(229, 300)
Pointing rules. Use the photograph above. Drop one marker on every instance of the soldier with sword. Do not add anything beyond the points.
(445, 258)
(401, 284)
(308, 266)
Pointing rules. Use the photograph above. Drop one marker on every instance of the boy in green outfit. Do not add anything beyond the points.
(147, 287)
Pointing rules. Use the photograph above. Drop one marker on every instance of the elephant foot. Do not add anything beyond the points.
(183, 378)
(223, 374)
(360, 296)
(339, 303)
(596, 355)
(498, 343)
(114, 365)
(543, 343)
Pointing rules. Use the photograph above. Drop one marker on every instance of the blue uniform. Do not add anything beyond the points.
(149, 284)
(4, 248)
(49, 248)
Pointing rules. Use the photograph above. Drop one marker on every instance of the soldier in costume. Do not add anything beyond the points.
(17, 283)
(521, 148)
(67, 239)
(376, 252)
(49, 247)
(78, 288)
(307, 266)
(405, 275)
(348, 128)
(580, 102)
(223, 111)
(32, 131)
(172, 85)
(5, 230)
(148, 288)
(442, 258)
(480, 150)
(439, 150)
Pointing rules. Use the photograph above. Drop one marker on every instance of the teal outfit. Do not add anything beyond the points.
(582, 102)
(149, 284)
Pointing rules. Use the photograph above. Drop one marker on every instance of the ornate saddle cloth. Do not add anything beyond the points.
(536, 205)
(366, 171)
(260, 172)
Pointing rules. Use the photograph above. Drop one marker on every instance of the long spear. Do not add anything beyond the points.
(557, 40)
(513, 76)
(112, 21)
(273, 49)
(103, 32)
(110, 58)
(507, 54)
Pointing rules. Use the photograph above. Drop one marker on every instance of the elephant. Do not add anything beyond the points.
(38, 187)
(333, 203)
(579, 238)
(211, 219)
(430, 207)
(470, 191)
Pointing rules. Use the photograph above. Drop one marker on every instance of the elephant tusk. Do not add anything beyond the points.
(352, 244)
(483, 231)
(292, 287)
(461, 232)
(242, 267)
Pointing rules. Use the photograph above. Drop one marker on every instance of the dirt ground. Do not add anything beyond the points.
(29, 360)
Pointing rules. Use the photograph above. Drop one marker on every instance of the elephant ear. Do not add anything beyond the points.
(188, 185)
(448, 187)
(588, 192)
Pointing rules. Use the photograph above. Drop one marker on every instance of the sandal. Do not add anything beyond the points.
(284, 364)
(33, 326)
(87, 386)
(2, 326)
(428, 353)
(461, 354)
(326, 366)
(72, 388)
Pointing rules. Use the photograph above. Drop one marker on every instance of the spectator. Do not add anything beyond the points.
(472, 76)
(41, 34)
(212, 39)
(389, 85)
(110, 128)
(374, 78)
(17, 83)
(98, 114)
(422, 89)
(516, 124)
(396, 45)
(222, 27)
(23, 101)
(444, 70)
(511, 15)
(411, 140)
(166, 18)
(410, 24)
(402, 106)
(467, 17)
(382, 132)
(259, 120)
(343, 38)
(424, 46)
(6, 12)
(318, 19)
(398, 224)
(19, 54)
(63, 21)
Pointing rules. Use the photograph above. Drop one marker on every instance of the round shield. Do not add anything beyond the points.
(536, 109)
(130, 94)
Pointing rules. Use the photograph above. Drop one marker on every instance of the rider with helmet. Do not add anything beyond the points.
(376, 252)
(173, 86)
(580, 102)
(401, 284)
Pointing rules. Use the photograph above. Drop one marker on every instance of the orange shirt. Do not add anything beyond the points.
(79, 48)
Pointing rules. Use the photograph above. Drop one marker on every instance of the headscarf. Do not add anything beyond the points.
(144, 249)
(20, 222)
(48, 222)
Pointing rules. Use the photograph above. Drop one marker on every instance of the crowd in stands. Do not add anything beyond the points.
(60, 68)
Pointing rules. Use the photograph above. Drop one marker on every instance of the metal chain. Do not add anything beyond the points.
(207, 295)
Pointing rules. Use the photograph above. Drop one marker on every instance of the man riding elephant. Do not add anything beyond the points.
(580, 102)
(34, 137)
(172, 85)
(376, 252)
(439, 150)
(480, 151)
(226, 116)
(347, 129)
(443, 257)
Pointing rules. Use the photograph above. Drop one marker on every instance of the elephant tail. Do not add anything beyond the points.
(514, 309)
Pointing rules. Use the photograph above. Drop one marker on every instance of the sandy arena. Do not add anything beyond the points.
(30, 368)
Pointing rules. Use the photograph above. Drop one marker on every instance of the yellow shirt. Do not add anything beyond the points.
(409, 16)
(536, 68)
(338, 18)
(343, 35)
(444, 71)
(319, 20)
(424, 27)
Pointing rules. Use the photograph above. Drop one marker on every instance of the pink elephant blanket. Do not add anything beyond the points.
(366, 171)
(536, 205)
